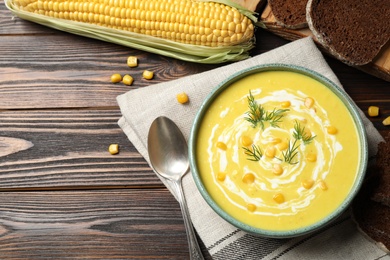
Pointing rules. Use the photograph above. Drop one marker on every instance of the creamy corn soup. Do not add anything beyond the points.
(278, 150)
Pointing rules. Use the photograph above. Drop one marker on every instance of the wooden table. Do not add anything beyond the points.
(62, 195)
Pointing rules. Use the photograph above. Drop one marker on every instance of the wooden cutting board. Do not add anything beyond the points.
(379, 67)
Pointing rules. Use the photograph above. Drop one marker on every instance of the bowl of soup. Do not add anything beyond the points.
(278, 150)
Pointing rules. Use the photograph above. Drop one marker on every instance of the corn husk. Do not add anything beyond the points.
(169, 48)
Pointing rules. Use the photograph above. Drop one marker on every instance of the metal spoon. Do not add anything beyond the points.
(168, 155)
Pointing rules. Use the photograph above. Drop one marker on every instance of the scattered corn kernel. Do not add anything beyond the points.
(373, 111)
(278, 198)
(127, 80)
(132, 61)
(221, 176)
(282, 146)
(386, 121)
(248, 178)
(323, 185)
(113, 148)
(311, 157)
(308, 183)
(277, 169)
(147, 74)
(270, 151)
(115, 78)
(309, 102)
(182, 98)
(285, 104)
(222, 146)
(246, 140)
(332, 130)
(251, 207)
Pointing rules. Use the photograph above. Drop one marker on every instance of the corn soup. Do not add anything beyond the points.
(277, 150)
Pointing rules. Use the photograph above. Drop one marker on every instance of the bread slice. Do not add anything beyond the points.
(353, 31)
(289, 13)
(382, 193)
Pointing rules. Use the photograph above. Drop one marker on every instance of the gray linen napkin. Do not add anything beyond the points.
(140, 107)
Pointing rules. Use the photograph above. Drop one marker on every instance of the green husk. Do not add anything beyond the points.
(186, 52)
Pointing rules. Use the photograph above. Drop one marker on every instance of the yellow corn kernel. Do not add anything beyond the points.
(285, 104)
(279, 198)
(270, 151)
(282, 146)
(246, 140)
(127, 80)
(224, 24)
(277, 169)
(307, 183)
(248, 178)
(132, 61)
(309, 102)
(332, 130)
(322, 185)
(373, 111)
(275, 140)
(251, 207)
(221, 176)
(221, 145)
(113, 148)
(115, 78)
(182, 98)
(147, 74)
(311, 157)
(386, 121)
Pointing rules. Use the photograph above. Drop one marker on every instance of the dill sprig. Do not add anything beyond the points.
(258, 115)
(291, 152)
(255, 154)
(300, 134)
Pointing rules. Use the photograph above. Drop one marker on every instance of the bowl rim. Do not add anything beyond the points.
(338, 91)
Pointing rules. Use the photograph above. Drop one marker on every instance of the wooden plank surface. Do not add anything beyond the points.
(379, 67)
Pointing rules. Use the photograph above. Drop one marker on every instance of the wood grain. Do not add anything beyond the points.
(379, 67)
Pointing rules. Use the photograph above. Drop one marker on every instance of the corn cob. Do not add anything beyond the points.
(215, 27)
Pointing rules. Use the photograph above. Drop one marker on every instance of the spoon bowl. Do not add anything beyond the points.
(168, 155)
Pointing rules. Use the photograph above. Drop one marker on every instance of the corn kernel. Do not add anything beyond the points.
(279, 198)
(248, 178)
(277, 169)
(308, 183)
(386, 121)
(275, 140)
(246, 140)
(182, 98)
(113, 148)
(147, 74)
(322, 185)
(285, 104)
(311, 157)
(115, 78)
(373, 111)
(332, 130)
(309, 102)
(132, 61)
(251, 207)
(270, 151)
(222, 146)
(282, 146)
(221, 176)
(127, 80)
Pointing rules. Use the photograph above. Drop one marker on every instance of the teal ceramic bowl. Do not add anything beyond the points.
(361, 136)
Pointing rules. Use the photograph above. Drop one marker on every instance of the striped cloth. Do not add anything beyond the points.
(340, 240)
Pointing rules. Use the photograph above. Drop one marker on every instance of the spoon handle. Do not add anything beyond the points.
(195, 252)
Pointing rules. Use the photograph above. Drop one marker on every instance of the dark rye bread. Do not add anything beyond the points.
(289, 13)
(382, 192)
(370, 208)
(352, 31)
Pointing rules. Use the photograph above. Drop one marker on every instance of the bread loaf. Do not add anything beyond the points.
(353, 31)
(289, 13)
